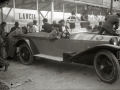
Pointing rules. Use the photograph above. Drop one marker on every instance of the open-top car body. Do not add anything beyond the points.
(98, 50)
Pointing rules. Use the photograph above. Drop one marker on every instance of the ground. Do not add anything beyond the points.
(53, 75)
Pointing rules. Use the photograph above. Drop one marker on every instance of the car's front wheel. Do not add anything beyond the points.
(106, 66)
(25, 54)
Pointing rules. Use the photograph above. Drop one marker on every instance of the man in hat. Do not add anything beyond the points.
(46, 27)
(64, 29)
(108, 26)
(54, 34)
(11, 40)
(15, 27)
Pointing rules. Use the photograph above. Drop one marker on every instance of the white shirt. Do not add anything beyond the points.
(35, 28)
(63, 28)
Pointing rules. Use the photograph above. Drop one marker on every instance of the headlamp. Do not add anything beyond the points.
(114, 41)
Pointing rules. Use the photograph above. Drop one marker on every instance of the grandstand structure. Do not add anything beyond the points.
(91, 7)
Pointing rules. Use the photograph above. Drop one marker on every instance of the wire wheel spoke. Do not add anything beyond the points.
(25, 54)
(105, 67)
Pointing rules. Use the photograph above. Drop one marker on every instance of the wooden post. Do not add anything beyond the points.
(52, 11)
(1, 14)
(76, 10)
(111, 7)
(14, 10)
(38, 19)
(63, 11)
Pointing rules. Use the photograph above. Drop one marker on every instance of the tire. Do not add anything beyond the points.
(106, 66)
(25, 54)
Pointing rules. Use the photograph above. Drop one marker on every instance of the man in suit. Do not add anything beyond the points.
(107, 26)
(15, 27)
(46, 26)
(55, 33)
(64, 29)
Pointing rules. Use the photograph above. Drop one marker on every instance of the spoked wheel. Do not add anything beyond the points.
(25, 54)
(106, 66)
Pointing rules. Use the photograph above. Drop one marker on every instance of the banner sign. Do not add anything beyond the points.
(26, 16)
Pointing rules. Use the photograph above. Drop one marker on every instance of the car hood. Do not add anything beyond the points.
(92, 37)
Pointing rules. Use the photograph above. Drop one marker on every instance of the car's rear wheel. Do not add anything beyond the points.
(25, 54)
(106, 66)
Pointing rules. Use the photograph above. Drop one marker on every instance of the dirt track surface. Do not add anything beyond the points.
(52, 75)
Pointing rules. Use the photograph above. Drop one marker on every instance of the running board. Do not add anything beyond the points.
(49, 57)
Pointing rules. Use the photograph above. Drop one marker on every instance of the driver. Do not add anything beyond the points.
(107, 26)
(55, 33)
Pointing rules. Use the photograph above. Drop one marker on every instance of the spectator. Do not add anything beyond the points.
(59, 22)
(72, 21)
(35, 27)
(63, 26)
(2, 30)
(2, 62)
(46, 26)
(15, 27)
(30, 27)
(11, 40)
(64, 29)
(84, 17)
(54, 22)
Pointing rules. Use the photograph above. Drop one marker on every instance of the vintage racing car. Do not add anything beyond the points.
(99, 50)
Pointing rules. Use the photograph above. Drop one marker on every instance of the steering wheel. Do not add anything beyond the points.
(65, 35)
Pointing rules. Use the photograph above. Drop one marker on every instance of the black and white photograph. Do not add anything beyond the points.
(59, 44)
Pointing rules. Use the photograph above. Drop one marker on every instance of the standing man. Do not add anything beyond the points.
(15, 27)
(107, 26)
(72, 20)
(2, 30)
(84, 17)
(46, 27)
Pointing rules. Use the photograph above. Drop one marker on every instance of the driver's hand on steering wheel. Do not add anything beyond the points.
(64, 35)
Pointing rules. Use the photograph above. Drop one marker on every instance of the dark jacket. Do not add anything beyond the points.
(110, 21)
(46, 27)
(14, 28)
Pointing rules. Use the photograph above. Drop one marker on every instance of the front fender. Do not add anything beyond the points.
(30, 43)
(97, 48)
(92, 51)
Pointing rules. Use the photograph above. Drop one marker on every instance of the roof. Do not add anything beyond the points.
(45, 5)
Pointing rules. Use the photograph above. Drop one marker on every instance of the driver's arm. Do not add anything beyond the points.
(52, 36)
